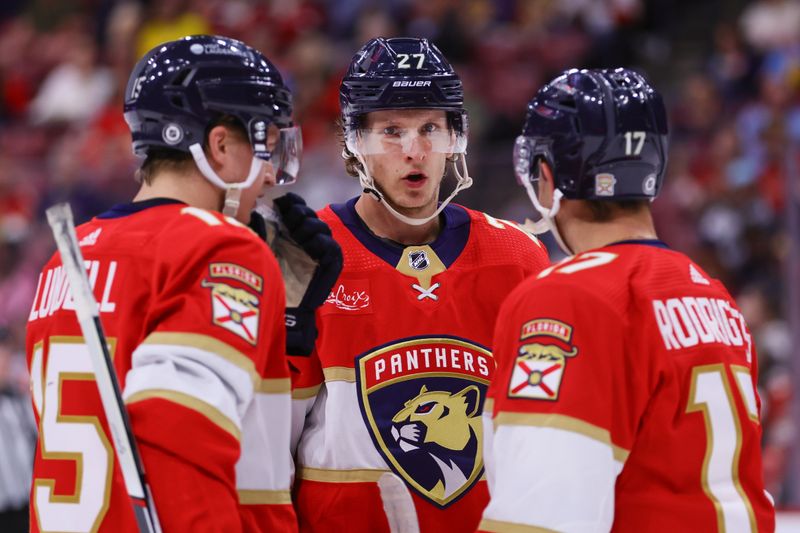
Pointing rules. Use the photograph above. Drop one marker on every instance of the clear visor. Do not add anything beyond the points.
(283, 148)
(427, 138)
(286, 155)
(526, 168)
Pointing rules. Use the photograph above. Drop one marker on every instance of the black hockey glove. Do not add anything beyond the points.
(310, 262)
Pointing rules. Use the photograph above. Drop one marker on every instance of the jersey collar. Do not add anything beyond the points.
(657, 243)
(123, 210)
(448, 245)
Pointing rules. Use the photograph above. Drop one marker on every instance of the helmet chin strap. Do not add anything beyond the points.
(369, 186)
(233, 191)
(548, 220)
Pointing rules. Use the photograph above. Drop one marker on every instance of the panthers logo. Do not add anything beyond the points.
(439, 423)
(422, 401)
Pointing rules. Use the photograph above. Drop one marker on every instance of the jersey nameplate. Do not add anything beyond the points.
(55, 294)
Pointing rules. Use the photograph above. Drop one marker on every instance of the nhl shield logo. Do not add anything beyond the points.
(418, 260)
(422, 399)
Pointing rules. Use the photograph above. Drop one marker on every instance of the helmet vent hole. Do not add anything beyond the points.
(183, 77)
(177, 101)
(566, 104)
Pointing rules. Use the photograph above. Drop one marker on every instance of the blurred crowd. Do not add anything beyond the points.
(730, 72)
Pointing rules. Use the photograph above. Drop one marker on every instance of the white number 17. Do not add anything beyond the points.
(639, 137)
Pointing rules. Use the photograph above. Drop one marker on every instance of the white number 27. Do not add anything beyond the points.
(403, 63)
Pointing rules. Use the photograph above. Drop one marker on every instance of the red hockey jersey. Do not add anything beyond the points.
(400, 372)
(625, 400)
(192, 304)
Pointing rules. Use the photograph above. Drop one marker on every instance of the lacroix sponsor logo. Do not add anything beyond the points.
(350, 295)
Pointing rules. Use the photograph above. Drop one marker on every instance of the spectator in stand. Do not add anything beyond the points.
(167, 20)
(17, 441)
(770, 24)
(76, 89)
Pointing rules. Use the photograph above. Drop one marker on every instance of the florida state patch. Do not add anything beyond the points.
(234, 309)
(541, 361)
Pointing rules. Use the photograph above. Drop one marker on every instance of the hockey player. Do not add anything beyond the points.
(401, 366)
(625, 395)
(193, 306)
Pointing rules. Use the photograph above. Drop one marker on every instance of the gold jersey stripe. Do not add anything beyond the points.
(488, 406)
(208, 344)
(264, 497)
(274, 386)
(193, 403)
(305, 393)
(340, 373)
(567, 423)
(510, 527)
(340, 476)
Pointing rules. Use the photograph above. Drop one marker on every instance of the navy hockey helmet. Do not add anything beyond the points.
(180, 87)
(396, 74)
(401, 73)
(602, 132)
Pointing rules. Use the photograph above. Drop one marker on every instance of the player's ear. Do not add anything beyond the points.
(546, 183)
(217, 144)
(545, 173)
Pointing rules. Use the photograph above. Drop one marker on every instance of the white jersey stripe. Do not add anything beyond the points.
(536, 486)
(205, 381)
(266, 432)
(563, 422)
(335, 436)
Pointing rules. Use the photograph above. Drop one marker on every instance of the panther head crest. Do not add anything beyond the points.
(440, 422)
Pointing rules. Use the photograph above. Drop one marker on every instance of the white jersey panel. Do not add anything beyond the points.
(265, 433)
(550, 478)
(205, 376)
(301, 407)
(335, 437)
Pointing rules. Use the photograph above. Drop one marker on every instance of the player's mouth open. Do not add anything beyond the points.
(415, 179)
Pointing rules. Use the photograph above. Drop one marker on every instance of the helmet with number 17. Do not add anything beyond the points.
(403, 73)
(603, 133)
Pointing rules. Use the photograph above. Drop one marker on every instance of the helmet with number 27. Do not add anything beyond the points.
(398, 74)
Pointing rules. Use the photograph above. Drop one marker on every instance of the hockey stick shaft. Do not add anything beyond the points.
(61, 222)
(398, 504)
